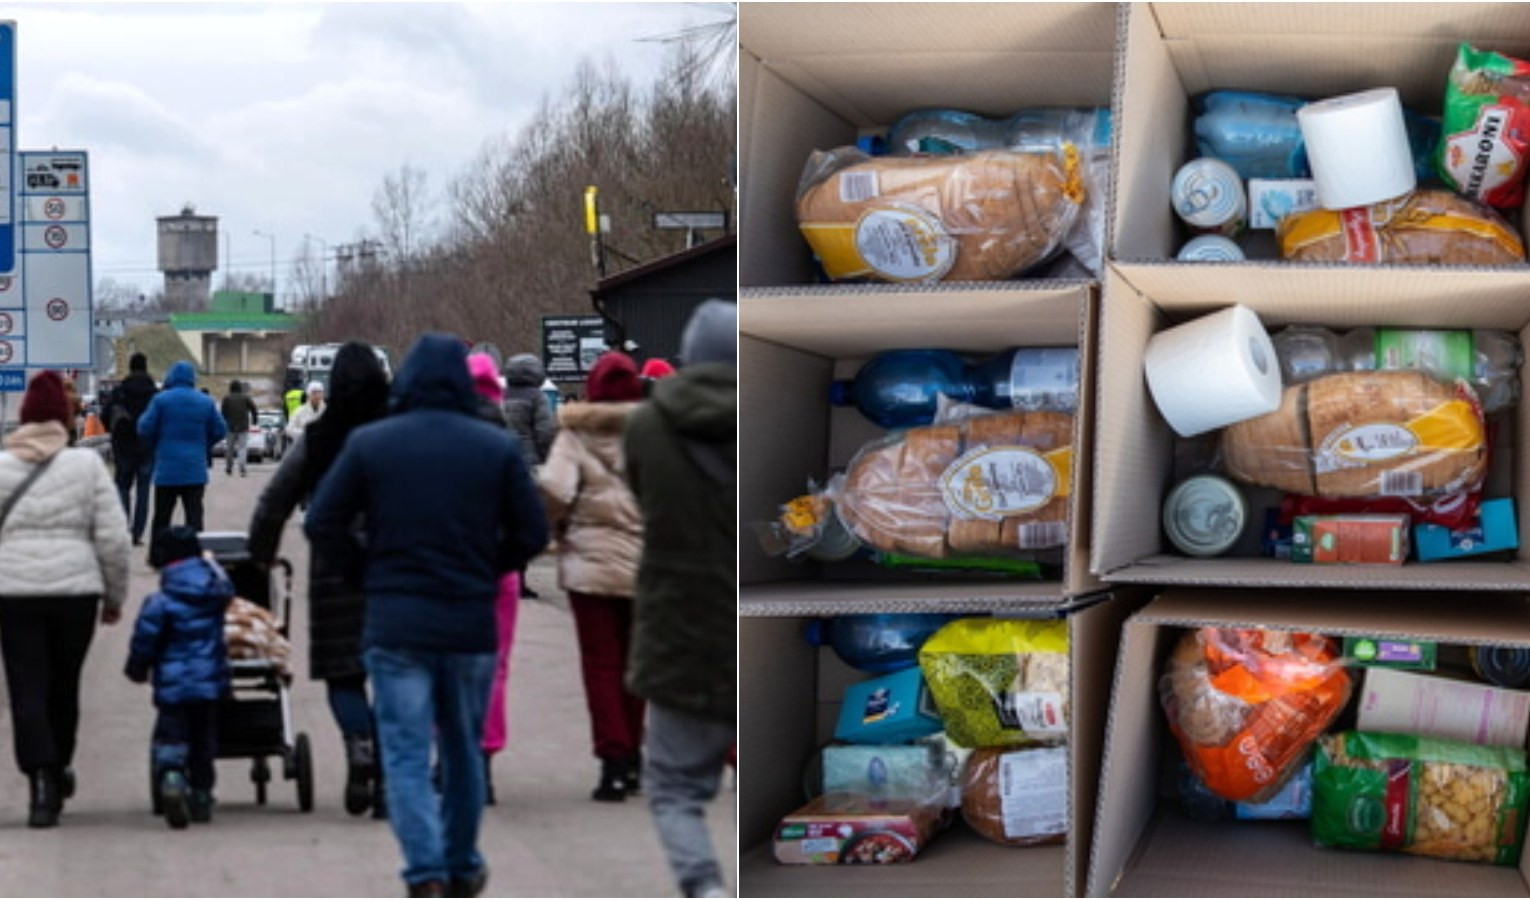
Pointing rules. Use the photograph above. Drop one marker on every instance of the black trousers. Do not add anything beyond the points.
(186, 738)
(190, 496)
(44, 641)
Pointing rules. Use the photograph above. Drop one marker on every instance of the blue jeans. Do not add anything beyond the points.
(415, 692)
(136, 467)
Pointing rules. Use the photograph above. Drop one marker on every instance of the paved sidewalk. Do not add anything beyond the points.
(545, 838)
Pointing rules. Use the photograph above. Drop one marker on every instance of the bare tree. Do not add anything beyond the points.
(402, 209)
(112, 294)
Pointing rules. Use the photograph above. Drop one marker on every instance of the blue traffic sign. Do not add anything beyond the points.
(13, 381)
(7, 146)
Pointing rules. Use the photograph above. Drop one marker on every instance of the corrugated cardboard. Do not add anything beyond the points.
(1437, 706)
(788, 703)
(1174, 51)
(1143, 846)
(1134, 446)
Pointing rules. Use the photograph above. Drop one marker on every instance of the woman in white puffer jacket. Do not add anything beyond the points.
(63, 552)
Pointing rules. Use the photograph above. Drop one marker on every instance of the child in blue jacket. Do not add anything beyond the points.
(179, 635)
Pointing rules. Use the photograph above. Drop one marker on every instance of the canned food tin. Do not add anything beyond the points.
(1208, 194)
(1211, 248)
(1507, 667)
(1205, 515)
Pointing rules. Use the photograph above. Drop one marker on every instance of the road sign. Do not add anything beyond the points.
(7, 146)
(54, 326)
(13, 381)
(691, 221)
(571, 344)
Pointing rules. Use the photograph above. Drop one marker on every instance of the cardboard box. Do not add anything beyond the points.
(1434, 706)
(1143, 845)
(1175, 51)
(788, 704)
(1135, 449)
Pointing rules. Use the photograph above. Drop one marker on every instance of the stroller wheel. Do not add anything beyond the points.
(302, 758)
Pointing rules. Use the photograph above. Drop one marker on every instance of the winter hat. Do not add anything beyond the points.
(657, 368)
(485, 376)
(173, 545)
(315, 386)
(138, 363)
(46, 400)
(711, 335)
(614, 379)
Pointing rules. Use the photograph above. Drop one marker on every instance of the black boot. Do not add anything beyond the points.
(612, 787)
(632, 774)
(66, 784)
(46, 801)
(360, 772)
(488, 780)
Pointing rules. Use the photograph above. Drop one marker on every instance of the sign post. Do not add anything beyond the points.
(7, 146)
(46, 308)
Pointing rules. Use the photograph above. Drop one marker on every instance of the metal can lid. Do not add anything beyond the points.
(1211, 248)
(1504, 666)
(1208, 193)
(1205, 515)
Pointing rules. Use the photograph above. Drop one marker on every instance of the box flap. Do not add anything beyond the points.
(1442, 617)
(774, 31)
(1463, 575)
(825, 598)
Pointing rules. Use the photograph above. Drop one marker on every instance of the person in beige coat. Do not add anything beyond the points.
(599, 529)
(63, 554)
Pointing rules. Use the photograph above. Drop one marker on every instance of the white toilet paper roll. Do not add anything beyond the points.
(1357, 146)
(1214, 371)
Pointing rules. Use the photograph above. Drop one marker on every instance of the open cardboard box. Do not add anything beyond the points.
(788, 700)
(1135, 446)
(1175, 51)
(815, 76)
(1143, 845)
(794, 342)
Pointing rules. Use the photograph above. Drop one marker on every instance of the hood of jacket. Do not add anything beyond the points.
(36, 441)
(181, 374)
(701, 403)
(435, 376)
(524, 370)
(599, 427)
(196, 581)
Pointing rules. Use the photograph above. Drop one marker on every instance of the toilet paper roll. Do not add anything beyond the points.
(1358, 148)
(1214, 371)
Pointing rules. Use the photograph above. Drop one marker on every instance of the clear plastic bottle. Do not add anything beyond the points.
(1257, 134)
(901, 388)
(1306, 353)
(1043, 129)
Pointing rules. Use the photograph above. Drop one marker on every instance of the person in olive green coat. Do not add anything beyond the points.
(682, 463)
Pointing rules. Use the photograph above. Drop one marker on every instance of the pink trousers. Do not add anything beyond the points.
(495, 729)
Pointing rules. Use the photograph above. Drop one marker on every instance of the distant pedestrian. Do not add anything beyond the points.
(495, 728)
(63, 554)
(529, 414)
(654, 369)
(450, 508)
(682, 462)
(181, 425)
(239, 413)
(308, 412)
(600, 538)
(336, 595)
(179, 637)
(134, 459)
(76, 409)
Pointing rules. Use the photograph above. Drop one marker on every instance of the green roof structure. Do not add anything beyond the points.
(234, 321)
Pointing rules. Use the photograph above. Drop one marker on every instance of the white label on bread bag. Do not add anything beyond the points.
(855, 187)
(1033, 792)
(994, 483)
(1036, 713)
(905, 243)
(1362, 445)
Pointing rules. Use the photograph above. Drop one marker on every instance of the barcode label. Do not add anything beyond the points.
(857, 186)
(1402, 484)
(1038, 535)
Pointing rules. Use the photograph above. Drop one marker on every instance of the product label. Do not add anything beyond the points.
(1445, 353)
(1366, 444)
(1033, 792)
(1208, 195)
(994, 483)
(1044, 379)
(879, 706)
(1394, 834)
(1033, 712)
(905, 243)
(1481, 160)
(856, 187)
(1360, 244)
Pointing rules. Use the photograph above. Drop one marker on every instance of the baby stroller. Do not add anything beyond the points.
(255, 720)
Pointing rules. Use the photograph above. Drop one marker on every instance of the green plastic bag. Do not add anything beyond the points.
(1485, 132)
(1000, 682)
(1425, 796)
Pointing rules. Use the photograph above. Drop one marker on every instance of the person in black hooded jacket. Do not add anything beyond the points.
(337, 602)
(133, 460)
(450, 508)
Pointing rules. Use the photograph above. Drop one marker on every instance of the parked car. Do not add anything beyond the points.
(274, 424)
(258, 447)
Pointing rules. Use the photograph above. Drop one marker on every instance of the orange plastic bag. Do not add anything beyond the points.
(1246, 705)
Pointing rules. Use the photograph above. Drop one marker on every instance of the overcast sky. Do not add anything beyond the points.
(284, 117)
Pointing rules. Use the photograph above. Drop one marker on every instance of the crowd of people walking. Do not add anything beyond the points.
(425, 500)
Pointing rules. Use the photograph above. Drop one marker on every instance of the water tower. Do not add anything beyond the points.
(188, 255)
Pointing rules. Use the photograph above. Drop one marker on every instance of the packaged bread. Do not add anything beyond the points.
(991, 485)
(1017, 796)
(1245, 705)
(1427, 227)
(1364, 434)
(980, 217)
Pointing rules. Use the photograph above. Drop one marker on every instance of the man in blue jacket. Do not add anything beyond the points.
(181, 425)
(449, 507)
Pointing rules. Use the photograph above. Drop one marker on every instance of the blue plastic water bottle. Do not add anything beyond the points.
(1257, 134)
(879, 642)
(900, 388)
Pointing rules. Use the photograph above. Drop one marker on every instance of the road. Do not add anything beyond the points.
(544, 838)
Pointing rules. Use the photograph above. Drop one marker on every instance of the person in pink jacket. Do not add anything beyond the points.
(495, 729)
